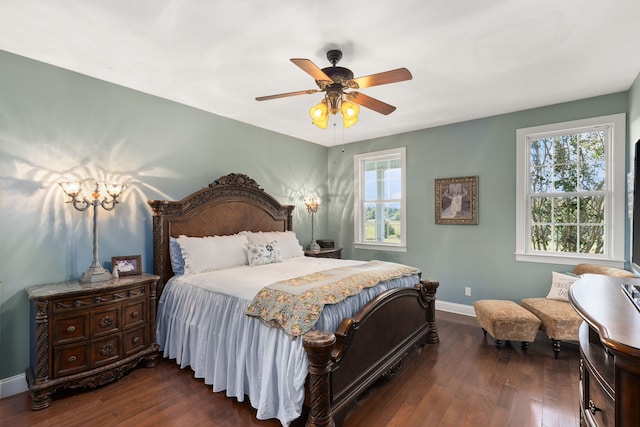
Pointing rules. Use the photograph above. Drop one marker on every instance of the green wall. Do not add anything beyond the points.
(55, 123)
(479, 256)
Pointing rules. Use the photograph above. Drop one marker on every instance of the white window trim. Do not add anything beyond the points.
(358, 161)
(614, 232)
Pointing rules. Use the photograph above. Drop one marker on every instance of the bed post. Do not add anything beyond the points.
(319, 345)
(428, 290)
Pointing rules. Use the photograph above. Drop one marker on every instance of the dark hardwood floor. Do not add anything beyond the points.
(462, 381)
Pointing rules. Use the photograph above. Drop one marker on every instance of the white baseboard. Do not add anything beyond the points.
(18, 383)
(12, 385)
(452, 307)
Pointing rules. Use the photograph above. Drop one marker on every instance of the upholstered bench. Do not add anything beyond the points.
(559, 319)
(506, 321)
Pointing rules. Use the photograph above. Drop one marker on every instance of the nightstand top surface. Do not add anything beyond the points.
(75, 286)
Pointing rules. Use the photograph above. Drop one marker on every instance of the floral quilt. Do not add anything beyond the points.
(296, 304)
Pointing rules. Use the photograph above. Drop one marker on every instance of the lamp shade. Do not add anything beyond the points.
(71, 188)
(350, 113)
(320, 115)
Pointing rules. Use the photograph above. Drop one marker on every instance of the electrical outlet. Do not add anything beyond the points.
(467, 291)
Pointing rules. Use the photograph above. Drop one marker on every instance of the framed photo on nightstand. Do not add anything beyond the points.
(128, 265)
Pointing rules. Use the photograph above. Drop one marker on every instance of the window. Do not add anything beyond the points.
(570, 192)
(379, 199)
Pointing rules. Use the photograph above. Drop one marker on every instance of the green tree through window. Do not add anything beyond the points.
(567, 193)
(570, 191)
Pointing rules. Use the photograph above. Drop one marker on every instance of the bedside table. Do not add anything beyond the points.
(325, 253)
(89, 334)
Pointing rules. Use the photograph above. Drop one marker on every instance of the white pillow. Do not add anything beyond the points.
(287, 240)
(560, 284)
(212, 253)
(259, 254)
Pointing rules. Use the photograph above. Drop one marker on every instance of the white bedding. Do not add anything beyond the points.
(201, 324)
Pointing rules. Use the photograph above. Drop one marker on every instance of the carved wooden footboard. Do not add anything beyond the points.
(372, 344)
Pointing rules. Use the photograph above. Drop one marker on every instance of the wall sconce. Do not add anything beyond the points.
(95, 273)
(312, 204)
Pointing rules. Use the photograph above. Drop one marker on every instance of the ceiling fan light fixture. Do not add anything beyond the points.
(320, 115)
(350, 113)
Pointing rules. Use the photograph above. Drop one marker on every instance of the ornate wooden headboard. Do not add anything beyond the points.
(230, 204)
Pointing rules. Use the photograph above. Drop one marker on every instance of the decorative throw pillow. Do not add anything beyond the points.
(260, 254)
(287, 240)
(560, 284)
(175, 254)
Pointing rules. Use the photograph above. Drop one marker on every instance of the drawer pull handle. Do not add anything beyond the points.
(593, 408)
(136, 339)
(106, 322)
(72, 359)
(106, 350)
(71, 328)
(135, 314)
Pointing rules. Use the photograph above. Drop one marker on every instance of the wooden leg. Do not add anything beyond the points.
(556, 347)
(428, 290)
(484, 331)
(41, 400)
(318, 345)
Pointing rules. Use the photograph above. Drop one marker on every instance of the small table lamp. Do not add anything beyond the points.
(312, 204)
(95, 273)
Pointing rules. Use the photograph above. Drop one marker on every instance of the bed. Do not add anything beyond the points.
(286, 373)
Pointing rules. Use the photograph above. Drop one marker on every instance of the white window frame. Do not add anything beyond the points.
(615, 125)
(359, 161)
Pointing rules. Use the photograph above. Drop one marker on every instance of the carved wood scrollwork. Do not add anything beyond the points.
(42, 341)
(106, 350)
(236, 179)
(105, 322)
(428, 290)
(392, 371)
(318, 345)
(344, 336)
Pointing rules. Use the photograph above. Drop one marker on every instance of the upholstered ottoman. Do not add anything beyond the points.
(506, 321)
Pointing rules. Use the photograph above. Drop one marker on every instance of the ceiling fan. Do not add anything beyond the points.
(334, 81)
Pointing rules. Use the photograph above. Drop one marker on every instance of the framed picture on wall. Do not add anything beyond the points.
(127, 265)
(456, 200)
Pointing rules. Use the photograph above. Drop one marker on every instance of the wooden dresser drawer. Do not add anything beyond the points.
(134, 314)
(134, 340)
(599, 407)
(70, 359)
(71, 329)
(105, 321)
(105, 350)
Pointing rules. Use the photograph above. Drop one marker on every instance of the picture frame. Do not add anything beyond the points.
(456, 200)
(128, 265)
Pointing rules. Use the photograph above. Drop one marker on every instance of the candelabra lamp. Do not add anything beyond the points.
(95, 273)
(312, 204)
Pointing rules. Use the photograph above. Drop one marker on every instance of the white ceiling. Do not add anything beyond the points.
(469, 58)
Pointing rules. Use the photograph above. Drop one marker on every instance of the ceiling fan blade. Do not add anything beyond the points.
(284, 95)
(311, 69)
(393, 76)
(370, 103)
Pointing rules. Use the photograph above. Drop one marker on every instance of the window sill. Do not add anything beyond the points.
(380, 247)
(568, 260)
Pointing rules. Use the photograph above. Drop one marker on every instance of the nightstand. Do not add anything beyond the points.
(89, 334)
(325, 253)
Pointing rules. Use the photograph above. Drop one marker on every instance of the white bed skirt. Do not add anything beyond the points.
(238, 354)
